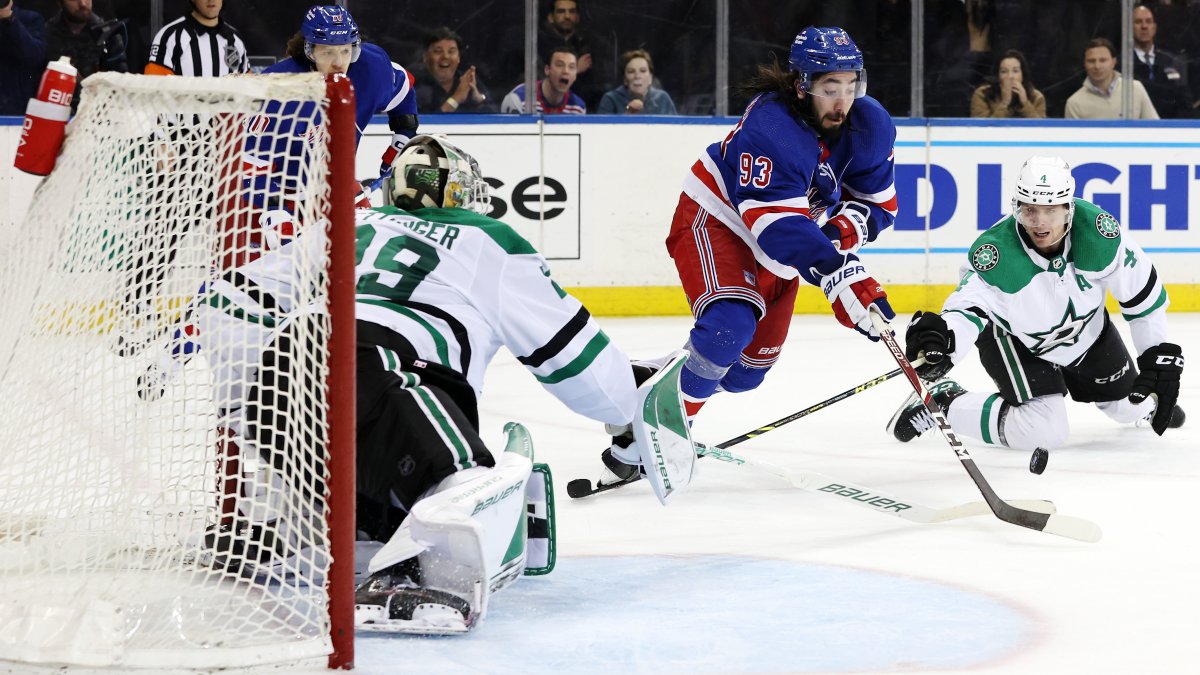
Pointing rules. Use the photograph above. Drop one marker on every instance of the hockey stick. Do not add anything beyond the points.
(870, 498)
(1064, 526)
(584, 487)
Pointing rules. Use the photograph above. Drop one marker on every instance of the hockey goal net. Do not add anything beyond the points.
(176, 488)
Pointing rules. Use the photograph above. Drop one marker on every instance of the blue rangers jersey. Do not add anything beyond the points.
(379, 86)
(774, 174)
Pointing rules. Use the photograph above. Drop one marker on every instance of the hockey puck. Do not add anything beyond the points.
(1037, 462)
(580, 487)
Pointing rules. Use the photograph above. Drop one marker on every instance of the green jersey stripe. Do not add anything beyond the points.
(449, 432)
(227, 306)
(559, 342)
(969, 317)
(580, 363)
(985, 418)
(1162, 300)
(439, 340)
(1014, 366)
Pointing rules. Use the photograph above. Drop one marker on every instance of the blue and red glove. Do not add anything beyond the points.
(847, 226)
(852, 292)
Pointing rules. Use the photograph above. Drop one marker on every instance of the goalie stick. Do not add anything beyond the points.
(870, 498)
(1064, 526)
(584, 487)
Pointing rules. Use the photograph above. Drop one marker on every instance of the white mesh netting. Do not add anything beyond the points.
(164, 430)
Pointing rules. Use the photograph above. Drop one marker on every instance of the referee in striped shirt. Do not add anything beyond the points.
(199, 44)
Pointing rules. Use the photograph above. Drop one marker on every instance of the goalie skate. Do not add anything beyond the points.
(392, 601)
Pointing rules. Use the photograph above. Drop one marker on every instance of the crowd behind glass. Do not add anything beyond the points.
(982, 58)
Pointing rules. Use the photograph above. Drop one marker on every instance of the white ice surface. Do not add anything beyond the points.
(746, 574)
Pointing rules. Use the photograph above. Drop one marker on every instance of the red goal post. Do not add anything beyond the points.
(179, 475)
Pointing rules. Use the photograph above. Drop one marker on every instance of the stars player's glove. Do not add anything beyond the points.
(847, 226)
(1160, 367)
(852, 291)
(928, 336)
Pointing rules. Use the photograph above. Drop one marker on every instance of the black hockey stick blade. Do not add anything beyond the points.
(584, 487)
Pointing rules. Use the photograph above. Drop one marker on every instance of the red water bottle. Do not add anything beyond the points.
(46, 119)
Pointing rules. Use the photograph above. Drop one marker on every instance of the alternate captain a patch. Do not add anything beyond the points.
(985, 257)
(1107, 226)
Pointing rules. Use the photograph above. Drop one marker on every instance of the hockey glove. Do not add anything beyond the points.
(278, 228)
(847, 226)
(852, 291)
(1160, 367)
(928, 336)
(390, 154)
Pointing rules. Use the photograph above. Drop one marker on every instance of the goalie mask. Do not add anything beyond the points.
(430, 172)
(1045, 181)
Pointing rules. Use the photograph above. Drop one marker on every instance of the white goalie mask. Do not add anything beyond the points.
(1045, 181)
(431, 172)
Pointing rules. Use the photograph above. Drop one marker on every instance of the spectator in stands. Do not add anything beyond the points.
(443, 87)
(562, 26)
(22, 56)
(1012, 94)
(638, 95)
(1162, 73)
(92, 44)
(1100, 96)
(199, 44)
(553, 91)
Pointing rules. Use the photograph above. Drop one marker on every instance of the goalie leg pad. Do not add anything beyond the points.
(661, 433)
(472, 535)
(540, 550)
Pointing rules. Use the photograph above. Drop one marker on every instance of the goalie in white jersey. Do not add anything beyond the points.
(440, 289)
(1032, 301)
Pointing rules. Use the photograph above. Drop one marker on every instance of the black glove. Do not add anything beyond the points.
(1160, 367)
(930, 337)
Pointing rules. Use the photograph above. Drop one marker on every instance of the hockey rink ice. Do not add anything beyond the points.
(744, 573)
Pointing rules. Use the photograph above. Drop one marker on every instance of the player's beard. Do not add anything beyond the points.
(834, 129)
(828, 134)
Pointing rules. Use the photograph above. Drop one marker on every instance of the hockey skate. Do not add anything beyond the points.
(912, 419)
(392, 599)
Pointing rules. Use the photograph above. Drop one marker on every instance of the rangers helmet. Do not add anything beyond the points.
(823, 50)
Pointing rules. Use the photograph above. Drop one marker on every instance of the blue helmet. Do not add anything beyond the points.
(329, 25)
(825, 50)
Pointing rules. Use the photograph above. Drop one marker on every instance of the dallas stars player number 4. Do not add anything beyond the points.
(1032, 299)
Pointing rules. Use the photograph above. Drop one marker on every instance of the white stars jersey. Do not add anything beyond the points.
(1055, 306)
(458, 286)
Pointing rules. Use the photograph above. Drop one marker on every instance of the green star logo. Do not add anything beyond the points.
(1107, 226)
(985, 257)
(1064, 334)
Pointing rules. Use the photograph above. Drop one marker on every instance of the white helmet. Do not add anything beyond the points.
(430, 172)
(1045, 180)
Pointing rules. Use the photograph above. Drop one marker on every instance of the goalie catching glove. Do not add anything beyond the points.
(1160, 367)
(852, 292)
(930, 338)
(847, 226)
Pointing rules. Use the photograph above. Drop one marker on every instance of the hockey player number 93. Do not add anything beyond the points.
(756, 170)
(402, 264)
